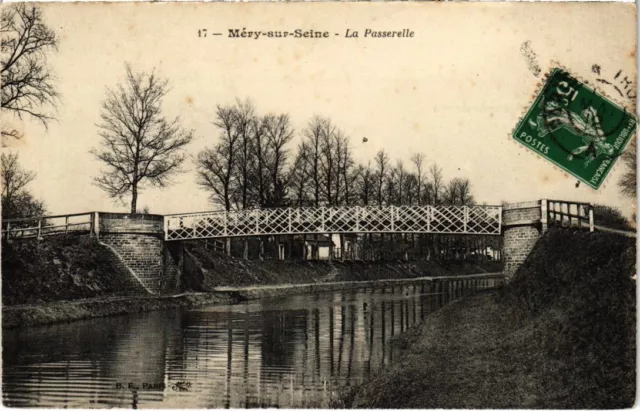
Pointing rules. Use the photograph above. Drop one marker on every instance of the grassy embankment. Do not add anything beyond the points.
(218, 270)
(560, 335)
(62, 268)
(69, 278)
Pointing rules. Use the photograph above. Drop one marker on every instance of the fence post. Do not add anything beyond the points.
(591, 222)
(544, 214)
(289, 211)
(96, 227)
(579, 209)
(571, 214)
(8, 232)
(66, 225)
(40, 229)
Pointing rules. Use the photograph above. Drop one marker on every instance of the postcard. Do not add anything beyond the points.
(319, 205)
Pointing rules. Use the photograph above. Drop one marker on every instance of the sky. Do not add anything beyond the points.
(454, 91)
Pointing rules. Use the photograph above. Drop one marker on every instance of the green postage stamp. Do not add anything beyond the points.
(576, 128)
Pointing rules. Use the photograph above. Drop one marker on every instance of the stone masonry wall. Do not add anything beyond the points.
(142, 253)
(131, 223)
(522, 227)
(527, 212)
(123, 266)
(518, 243)
(139, 241)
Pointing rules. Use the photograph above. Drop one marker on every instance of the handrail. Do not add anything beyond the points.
(13, 220)
(630, 234)
(568, 202)
(341, 206)
(19, 227)
(342, 219)
(556, 213)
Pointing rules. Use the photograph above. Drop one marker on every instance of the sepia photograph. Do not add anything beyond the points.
(319, 205)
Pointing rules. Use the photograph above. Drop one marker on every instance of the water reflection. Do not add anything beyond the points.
(288, 352)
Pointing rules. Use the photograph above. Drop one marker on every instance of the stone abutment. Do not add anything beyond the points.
(522, 225)
(139, 242)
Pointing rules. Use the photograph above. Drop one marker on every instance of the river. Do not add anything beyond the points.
(288, 352)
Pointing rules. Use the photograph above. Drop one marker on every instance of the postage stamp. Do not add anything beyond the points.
(576, 128)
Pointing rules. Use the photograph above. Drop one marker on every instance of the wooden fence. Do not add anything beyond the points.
(568, 214)
(39, 227)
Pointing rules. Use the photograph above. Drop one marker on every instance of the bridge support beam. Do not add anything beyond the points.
(139, 241)
(522, 225)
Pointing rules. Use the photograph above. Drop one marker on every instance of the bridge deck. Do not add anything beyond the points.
(355, 219)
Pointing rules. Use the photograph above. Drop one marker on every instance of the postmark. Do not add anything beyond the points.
(576, 128)
(531, 58)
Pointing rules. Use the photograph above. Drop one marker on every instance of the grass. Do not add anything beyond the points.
(560, 335)
(61, 268)
(221, 270)
(63, 311)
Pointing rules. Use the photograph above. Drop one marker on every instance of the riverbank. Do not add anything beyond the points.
(60, 268)
(65, 311)
(67, 278)
(493, 280)
(26, 315)
(561, 334)
(75, 267)
(209, 270)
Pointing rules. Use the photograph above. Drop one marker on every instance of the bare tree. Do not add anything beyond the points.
(313, 148)
(14, 177)
(458, 192)
(628, 181)
(410, 188)
(27, 83)
(339, 141)
(279, 133)
(245, 121)
(299, 176)
(436, 183)
(400, 182)
(464, 192)
(261, 152)
(348, 174)
(216, 165)
(418, 160)
(382, 169)
(139, 145)
(365, 183)
(17, 202)
(328, 160)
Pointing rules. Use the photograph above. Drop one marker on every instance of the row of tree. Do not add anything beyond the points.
(252, 165)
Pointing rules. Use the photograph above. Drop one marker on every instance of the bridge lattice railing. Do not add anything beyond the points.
(354, 219)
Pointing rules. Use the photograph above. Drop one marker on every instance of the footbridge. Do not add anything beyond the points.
(152, 246)
(320, 220)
